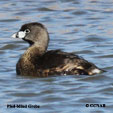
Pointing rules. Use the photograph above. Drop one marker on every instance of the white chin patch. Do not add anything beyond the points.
(19, 34)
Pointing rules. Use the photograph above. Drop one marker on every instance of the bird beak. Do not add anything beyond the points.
(20, 34)
(14, 35)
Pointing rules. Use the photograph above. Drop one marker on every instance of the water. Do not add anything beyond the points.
(84, 27)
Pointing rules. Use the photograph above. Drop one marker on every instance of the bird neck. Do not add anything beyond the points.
(33, 52)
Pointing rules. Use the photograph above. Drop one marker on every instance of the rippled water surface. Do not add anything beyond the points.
(84, 27)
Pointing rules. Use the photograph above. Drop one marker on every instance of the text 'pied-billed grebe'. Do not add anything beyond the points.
(37, 61)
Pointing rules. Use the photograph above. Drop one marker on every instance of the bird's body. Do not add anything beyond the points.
(37, 61)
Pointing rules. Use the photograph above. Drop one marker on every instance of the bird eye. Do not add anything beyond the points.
(27, 31)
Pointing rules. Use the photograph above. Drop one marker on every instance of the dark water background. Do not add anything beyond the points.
(84, 27)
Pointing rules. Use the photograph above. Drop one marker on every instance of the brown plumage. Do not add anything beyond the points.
(37, 61)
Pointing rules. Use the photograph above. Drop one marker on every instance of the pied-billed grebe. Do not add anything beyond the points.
(37, 61)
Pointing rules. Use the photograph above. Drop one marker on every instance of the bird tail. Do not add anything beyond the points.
(96, 71)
